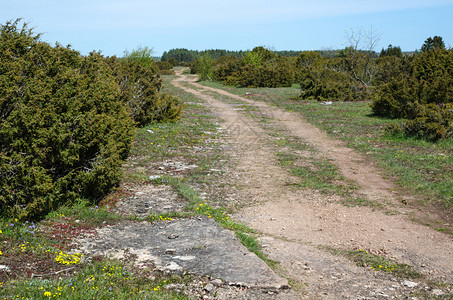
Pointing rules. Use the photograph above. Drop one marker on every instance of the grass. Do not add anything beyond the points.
(376, 262)
(422, 167)
(43, 265)
(103, 279)
(364, 258)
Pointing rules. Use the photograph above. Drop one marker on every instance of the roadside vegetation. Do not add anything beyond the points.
(67, 124)
(54, 270)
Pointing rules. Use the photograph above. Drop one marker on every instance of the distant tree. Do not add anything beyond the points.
(433, 43)
(182, 55)
(392, 51)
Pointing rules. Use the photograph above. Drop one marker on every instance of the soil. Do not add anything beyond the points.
(296, 226)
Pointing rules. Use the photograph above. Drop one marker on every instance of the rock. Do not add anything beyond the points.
(153, 177)
(217, 282)
(5, 268)
(209, 287)
(438, 292)
(173, 236)
(185, 258)
(172, 266)
(170, 287)
(170, 251)
(409, 284)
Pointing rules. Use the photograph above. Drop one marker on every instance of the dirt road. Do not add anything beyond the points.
(298, 226)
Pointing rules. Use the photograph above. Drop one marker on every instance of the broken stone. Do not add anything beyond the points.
(5, 268)
(409, 284)
(170, 251)
(217, 282)
(172, 266)
(185, 258)
(438, 292)
(209, 287)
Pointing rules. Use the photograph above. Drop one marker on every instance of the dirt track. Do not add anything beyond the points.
(297, 224)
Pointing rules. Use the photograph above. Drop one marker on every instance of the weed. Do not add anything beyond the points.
(376, 261)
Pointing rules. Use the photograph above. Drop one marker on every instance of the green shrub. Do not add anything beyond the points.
(431, 122)
(262, 68)
(143, 56)
(140, 88)
(327, 79)
(203, 66)
(422, 93)
(226, 66)
(63, 131)
(307, 62)
(165, 68)
(427, 78)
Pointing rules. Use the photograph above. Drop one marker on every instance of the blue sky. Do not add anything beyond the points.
(113, 26)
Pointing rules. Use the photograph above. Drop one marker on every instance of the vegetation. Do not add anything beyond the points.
(257, 68)
(392, 51)
(377, 262)
(420, 92)
(183, 56)
(142, 55)
(54, 271)
(67, 121)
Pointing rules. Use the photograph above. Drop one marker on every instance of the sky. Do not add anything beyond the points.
(114, 26)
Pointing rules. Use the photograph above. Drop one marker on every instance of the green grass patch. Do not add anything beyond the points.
(377, 262)
(251, 243)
